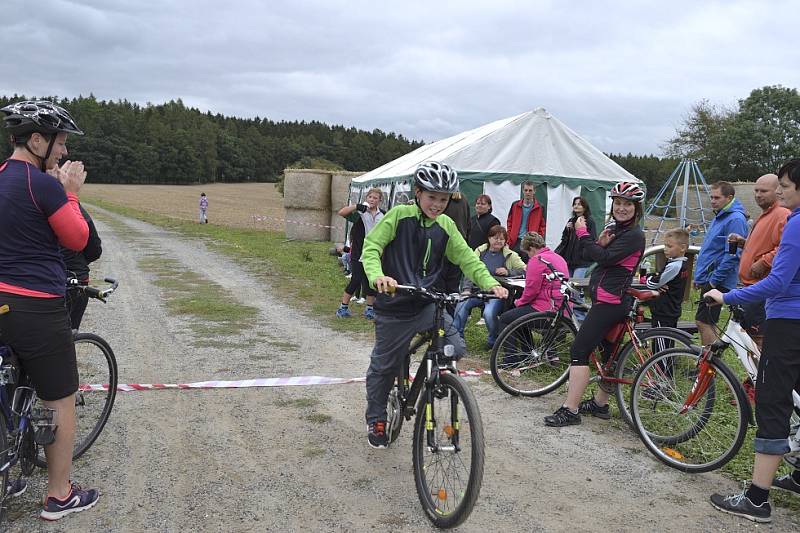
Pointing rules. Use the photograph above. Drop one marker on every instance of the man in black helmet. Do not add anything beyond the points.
(39, 211)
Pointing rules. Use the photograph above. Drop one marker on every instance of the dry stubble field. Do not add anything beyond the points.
(229, 204)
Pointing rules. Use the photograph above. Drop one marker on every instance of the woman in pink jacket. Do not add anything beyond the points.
(540, 294)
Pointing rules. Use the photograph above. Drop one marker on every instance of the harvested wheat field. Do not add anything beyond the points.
(229, 204)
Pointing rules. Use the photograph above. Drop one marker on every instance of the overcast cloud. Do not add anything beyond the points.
(622, 75)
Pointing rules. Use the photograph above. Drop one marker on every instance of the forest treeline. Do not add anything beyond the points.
(171, 143)
(174, 144)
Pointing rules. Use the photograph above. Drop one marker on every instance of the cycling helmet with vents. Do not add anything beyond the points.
(627, 190)
(38, 116)
(436, 177)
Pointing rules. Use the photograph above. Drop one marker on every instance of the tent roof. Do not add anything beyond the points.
(534, 143)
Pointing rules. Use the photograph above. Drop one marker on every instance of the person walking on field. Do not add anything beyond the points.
(364, 218)
(716, 268)
(524, 215)
(203, 208)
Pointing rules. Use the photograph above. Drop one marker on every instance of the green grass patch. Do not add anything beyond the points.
(300, 403)
(319, 418)
(187, 293)
(313, 451)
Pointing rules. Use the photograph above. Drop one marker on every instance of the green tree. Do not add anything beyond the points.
(759, 138)
(702, 123)
(741, 144)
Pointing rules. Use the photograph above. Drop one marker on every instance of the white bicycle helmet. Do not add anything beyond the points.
(38, 116)
(627, 190)
(436, 177)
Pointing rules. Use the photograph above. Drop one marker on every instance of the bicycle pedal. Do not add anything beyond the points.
(44, 436)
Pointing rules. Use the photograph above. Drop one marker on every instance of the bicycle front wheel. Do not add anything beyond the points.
(633, 356)
(448, 465)
(532, 354)
(697, 436)
(96, 366)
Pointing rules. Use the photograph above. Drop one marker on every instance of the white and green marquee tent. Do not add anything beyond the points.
(496, 158)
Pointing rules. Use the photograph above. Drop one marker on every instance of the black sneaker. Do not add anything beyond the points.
(786, 483)
(377, 435)
(76, 501)
(740, 505)
(562, 417)
(590, 407)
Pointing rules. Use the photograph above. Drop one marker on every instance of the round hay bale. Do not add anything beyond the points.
(337, 227)
(307, 189)
(308, 224)
(340, 189)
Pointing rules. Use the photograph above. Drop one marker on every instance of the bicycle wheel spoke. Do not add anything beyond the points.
(532, 355)
(634, 354)
(697, 437)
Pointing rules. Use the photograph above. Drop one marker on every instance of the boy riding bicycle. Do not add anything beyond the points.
(408, 246)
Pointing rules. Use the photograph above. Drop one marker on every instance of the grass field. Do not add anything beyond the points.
(304, 272)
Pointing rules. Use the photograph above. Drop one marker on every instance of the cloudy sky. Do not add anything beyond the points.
(621, 74)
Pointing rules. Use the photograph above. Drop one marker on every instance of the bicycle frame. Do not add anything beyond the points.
(427, 375)
(605, 370)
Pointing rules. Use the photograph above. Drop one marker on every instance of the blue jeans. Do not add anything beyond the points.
(491, 310)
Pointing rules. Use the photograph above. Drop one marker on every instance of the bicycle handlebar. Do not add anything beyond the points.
(443, 296)
(94, 292)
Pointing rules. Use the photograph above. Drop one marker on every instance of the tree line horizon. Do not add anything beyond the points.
(173, 144)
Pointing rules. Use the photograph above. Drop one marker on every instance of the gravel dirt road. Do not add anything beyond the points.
(296, 458)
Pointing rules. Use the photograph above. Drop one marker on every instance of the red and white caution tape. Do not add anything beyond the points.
(265, 218)
(247, 383)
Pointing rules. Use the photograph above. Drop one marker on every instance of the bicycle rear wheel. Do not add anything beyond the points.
(710, 432)
(634, 355)
(96, 366)
(448, 478)
(532, 354)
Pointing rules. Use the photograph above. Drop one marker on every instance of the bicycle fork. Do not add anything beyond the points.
(450, 430)
(705, 375)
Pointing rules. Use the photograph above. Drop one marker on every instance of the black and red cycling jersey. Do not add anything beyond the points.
(36, 215)
(616, 263)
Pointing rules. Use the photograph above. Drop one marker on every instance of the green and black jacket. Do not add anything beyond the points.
(411, 248)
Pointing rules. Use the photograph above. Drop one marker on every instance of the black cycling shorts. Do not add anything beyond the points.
(708, 314)
(38, 331)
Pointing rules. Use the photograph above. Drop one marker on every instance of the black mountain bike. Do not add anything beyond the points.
(26, 426)
(448, 446)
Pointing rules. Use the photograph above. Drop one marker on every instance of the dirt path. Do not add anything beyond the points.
(289, 459)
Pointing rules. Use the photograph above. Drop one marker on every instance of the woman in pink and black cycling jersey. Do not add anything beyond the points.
(39, 211)
(617, 252)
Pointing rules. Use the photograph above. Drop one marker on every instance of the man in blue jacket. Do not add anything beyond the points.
(716, 268)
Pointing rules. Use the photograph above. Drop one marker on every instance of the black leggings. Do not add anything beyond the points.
(358, 279)
(600, 319)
